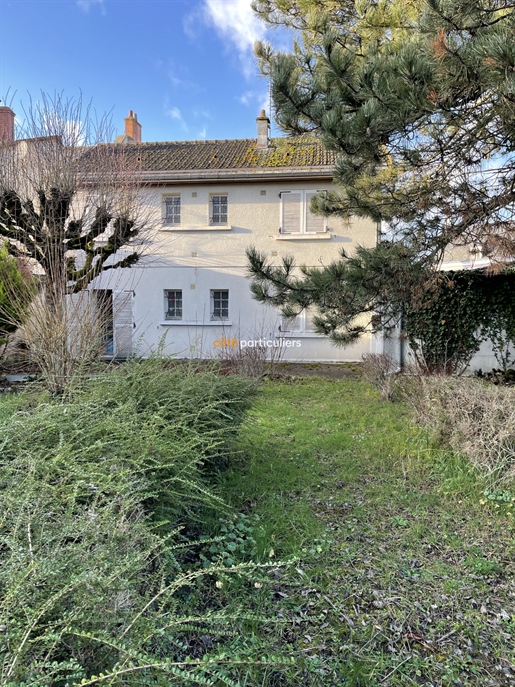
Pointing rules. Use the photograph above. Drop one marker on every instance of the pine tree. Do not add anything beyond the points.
(418, 100)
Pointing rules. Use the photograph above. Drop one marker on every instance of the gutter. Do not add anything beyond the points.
(238, 175)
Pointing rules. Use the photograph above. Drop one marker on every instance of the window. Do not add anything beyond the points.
(173, 305)
(296, 215)
(172, 210)
(288, 325)
(218, 209)
(302, 324)
(219, 305)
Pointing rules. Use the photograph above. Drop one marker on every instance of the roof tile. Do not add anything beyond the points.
(230, 154)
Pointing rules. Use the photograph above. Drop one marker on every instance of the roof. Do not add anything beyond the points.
(237, 159)
(232, 154)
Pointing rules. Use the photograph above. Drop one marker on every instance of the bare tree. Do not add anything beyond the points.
(70, 205)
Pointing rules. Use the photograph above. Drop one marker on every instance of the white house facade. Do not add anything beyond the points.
(208, 202)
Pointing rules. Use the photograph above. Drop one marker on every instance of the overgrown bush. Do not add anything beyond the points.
(248, 355)
(98, 585)
(473, 418)
(187, 399)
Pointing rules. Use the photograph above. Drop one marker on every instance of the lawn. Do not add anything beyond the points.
(403, 576)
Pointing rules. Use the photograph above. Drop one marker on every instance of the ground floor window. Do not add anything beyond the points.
(302, 324)
(173, 304)
(219, 304)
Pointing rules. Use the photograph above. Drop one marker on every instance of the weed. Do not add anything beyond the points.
(379, 370)
(474, 419)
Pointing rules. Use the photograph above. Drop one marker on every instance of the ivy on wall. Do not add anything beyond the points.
(461, 310)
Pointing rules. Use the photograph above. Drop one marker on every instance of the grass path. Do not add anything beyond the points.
(405, 577)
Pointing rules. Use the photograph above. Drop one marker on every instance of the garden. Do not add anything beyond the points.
(165, 524)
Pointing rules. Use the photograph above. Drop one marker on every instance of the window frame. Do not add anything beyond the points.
(304, 213)
(168, 220)
(172, 318)
(212, 295)
(212, 221)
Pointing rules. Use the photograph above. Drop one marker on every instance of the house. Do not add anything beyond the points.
(208, 201)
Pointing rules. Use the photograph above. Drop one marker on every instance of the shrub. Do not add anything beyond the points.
(187, 398)
(93, 581)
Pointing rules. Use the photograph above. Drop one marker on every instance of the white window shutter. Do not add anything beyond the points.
(123, 323)
(291, 324)
(291, 212)
(314, 223)
(79, 322)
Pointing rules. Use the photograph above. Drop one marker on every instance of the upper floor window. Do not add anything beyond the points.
(172, 210)
(218, 209)
(173, 304)
(219, 305)
(296, 215)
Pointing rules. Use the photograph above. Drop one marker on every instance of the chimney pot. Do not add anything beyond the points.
(6, 124)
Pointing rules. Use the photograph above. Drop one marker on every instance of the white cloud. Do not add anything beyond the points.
(177, 74)
(175, 113)
(86, 5)
(174, 80)
(179, 82)
(247, 97)
(205, 114)
(236, 23)
(202, 134)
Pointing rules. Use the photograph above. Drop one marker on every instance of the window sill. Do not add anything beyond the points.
(300, 335)
(206, 227)
(304, 237)
(208, 323)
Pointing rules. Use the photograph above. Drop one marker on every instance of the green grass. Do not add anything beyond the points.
(406, 578)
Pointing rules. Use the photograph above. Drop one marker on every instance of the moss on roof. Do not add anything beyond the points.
(229, 154)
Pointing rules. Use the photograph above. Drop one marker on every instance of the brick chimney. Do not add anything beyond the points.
(6, 124)
(133, 127)
(263, 127)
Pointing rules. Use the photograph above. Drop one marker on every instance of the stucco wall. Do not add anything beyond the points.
(196, 259)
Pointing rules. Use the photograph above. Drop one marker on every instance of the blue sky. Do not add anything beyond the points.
(186, 68)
